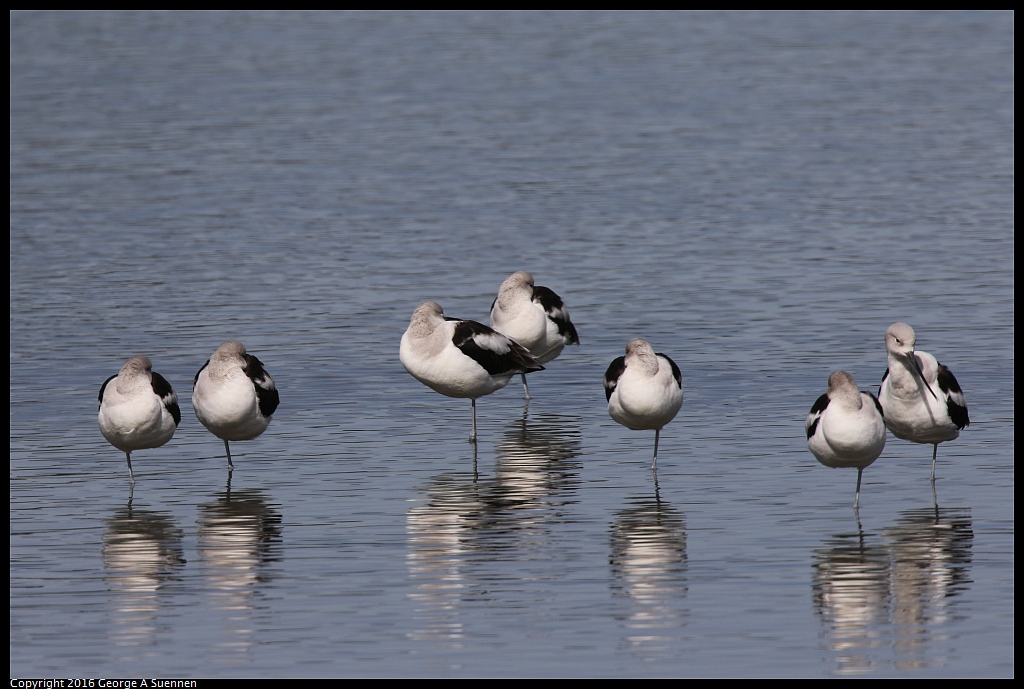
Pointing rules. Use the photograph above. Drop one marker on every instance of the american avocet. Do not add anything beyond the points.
(644, 390)
(460, 358)
(533, 316)
(233, 395)
(138, 409)
(923, 402)
(845, 427)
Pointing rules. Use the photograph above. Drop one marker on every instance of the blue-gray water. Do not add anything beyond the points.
(759, 195)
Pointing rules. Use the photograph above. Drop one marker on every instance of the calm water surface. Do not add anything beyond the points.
(760, 196)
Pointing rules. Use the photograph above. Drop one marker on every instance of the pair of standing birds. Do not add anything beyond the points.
(530, 326)
(919, 400)
(233, 396)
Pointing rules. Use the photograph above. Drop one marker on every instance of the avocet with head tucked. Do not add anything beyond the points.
(234, 396)
(644, 390)
(460, 358)
(533, 316)
(922, 400)
(845, 427)
(138, 409)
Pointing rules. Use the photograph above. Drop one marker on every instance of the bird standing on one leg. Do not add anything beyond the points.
(234, 396)
(138, 409)
(845, 427)
(460, 358)
(922, 400)
(644, 390)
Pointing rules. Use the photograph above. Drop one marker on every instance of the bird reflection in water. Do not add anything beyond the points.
(440, 534)
(851, 596)
(883, 599)
(537, 458)
(930, 550)
(467, 526)
(142, 552)
(648, 561)
(239, 538)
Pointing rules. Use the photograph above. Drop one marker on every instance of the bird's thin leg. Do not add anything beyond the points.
(231, 467)
(130, 474)
(935, 451)
(654, 464)
(472, 434)
(526, 388)
(856, 499)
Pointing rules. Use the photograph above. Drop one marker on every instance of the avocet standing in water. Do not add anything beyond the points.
(460, 358)
(923, 403)
(533, 316)
(644, 390)
(234, 396)
(845, 427)
(138, 409)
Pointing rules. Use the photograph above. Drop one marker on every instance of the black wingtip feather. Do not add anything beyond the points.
(612, 375)
(555, 309)
(676, 373)
(517, 360)
(949, 385)
(812, 427)
(196, 379)
(818, 408)
(266, 391)
(163, 390)
(104, 386)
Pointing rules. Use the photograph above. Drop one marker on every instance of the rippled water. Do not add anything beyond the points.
(759, 195)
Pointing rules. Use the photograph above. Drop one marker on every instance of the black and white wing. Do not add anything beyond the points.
(497, 354)
(956, 404)
(163, 390)
(266, 391)
(557, 313)
(811, 425)
(612, 375)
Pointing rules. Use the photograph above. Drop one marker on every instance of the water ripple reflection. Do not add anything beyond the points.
(648, 560)
(142, 552)
(892, 592)
(239, 536)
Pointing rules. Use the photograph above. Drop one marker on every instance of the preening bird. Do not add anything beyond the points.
(460, 358)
